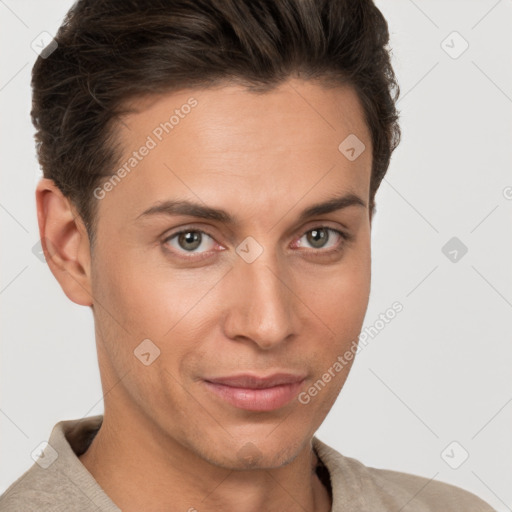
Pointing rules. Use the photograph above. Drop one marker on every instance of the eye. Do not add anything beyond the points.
(190, 241)
(195, 241)
(323, 237)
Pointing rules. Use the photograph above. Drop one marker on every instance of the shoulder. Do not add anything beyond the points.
(382, 489)
(426, 494)
(57, 488)
(33, 491)
(58, 481)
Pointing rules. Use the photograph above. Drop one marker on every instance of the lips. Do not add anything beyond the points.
(256, 393)
(249, 381)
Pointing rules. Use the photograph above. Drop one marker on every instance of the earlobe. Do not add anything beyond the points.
(64, 241)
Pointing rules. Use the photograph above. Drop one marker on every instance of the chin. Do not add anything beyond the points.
(259, 453)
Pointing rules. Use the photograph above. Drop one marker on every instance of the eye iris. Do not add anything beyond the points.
(318, 237)
(189, 237)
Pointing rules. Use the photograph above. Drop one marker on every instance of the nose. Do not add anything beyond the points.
(262, 306)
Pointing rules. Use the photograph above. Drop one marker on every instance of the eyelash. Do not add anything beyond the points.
(344, 236)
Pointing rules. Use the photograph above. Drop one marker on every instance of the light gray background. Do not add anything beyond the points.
(439, 372)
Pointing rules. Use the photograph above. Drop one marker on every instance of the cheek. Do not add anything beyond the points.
(126, 292)
(343, 296)
(175, 310)
(342, 307)
(340, 304)
(144, 295)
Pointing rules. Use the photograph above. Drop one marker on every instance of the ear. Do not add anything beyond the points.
(65, 242)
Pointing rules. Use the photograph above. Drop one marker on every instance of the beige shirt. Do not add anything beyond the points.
(59, 482)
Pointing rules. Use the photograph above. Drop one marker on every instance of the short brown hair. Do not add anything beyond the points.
(111, 51)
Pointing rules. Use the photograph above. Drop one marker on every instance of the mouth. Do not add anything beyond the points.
(256, 393)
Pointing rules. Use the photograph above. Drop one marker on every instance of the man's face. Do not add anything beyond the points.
(268, 292)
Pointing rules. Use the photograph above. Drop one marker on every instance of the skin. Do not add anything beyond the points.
(168, 443)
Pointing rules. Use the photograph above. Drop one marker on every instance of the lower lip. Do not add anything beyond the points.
(267, 399)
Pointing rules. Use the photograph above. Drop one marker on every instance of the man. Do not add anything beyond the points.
(210, 170)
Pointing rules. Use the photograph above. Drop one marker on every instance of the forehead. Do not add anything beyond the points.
(306, 108)
(264, 147)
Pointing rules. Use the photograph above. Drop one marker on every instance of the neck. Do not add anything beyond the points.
(140, 469)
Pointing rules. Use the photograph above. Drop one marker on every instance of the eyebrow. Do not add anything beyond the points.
(185, 207)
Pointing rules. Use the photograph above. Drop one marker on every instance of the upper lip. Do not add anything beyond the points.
(247, 380)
